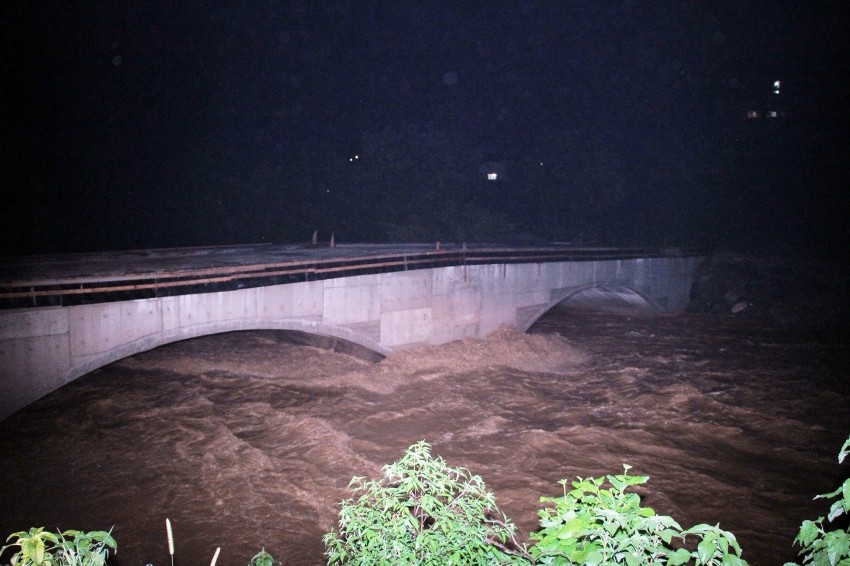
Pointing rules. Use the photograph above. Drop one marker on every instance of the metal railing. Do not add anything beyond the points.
(165, 280)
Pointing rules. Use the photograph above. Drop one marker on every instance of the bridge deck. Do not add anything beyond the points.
(70, 279)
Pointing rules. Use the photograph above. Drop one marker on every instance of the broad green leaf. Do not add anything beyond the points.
(573, 528)
(39, 550)
(838, 544)
(619, 482)
(808, 532)
(594, 557)
(705, 550)
(835, 510)
(681, 556)
(829, 495)
(668, 534)
(845, 450)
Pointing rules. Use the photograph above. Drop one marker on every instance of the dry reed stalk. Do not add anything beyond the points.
(170, 540)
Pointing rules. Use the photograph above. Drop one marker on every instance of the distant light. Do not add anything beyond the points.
(752, 114)
(772, 114)
(776, 86)
(353, 158)
(492, 176)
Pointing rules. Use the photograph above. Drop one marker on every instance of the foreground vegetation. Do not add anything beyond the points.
(424, 512)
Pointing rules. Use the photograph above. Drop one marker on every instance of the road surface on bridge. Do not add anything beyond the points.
(68, 279)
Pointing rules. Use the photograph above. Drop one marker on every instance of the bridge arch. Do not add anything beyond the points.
(92, 363)
(613, 293)
(603, 293)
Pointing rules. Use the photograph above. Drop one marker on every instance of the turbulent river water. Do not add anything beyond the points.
(248, 440)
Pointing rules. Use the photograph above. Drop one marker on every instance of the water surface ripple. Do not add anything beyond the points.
(245, 440)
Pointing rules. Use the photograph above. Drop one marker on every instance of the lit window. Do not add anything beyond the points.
(492, 176)
(772, 114)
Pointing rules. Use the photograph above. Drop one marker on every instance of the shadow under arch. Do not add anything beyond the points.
(329, 336)
(605, 294)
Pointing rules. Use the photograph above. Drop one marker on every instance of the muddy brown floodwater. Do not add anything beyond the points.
(246, 440)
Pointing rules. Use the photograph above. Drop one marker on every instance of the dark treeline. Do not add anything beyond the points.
(614, 123)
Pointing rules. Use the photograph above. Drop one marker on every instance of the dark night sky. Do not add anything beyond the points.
(158, 124)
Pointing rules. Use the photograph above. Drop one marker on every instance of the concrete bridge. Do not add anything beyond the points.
(64, 316)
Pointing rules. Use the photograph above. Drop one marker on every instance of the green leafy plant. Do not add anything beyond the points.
(263, 558)
(422, 512)
(78, 548)
(598, 522)
(38, 547)
(35, 545)
(819, 546)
